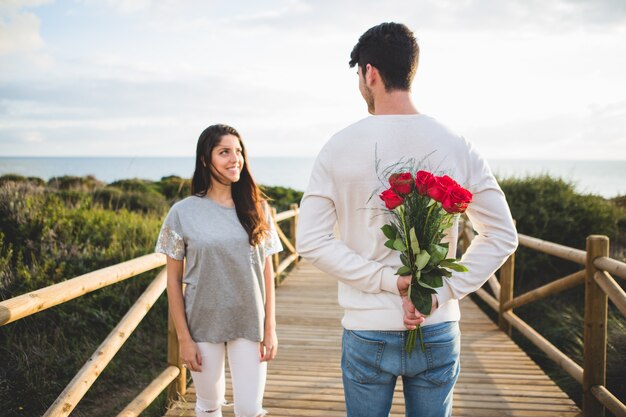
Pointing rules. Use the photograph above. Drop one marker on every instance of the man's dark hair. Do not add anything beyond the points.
(393, 50)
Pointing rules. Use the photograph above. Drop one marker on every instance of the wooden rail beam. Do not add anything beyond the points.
(611, 266)
(554, 249)
(285, 263)
(147, 396)
(612, 289)
(544, 291)
(538, 340)
(495, 286)
(33, 302)
(90, 371)
(284, 215)
(548, 348)
(609, 400)
(487, 298)
(285, 240)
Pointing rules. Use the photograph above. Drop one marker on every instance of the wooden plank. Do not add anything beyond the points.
(497, 378)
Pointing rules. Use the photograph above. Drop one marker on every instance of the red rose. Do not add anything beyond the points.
(422, 178)
(401, 183)
(391, 199)
(457, 200)
(439, 187)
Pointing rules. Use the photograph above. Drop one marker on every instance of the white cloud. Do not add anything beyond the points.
(32, 137)
(19, 31)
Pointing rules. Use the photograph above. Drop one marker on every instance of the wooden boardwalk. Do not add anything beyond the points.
(497, 378)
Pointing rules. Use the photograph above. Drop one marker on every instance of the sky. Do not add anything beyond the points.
(521, 79)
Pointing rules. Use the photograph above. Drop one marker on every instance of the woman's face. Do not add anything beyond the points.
(227, 160)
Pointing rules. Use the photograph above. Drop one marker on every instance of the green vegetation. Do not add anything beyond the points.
(550, 209)
(66, 227)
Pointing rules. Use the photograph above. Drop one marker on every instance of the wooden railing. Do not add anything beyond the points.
(173, 378)
(597, 275)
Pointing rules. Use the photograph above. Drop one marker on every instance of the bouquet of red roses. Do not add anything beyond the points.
(422, 208)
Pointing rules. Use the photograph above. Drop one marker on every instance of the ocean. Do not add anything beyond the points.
(605, 178)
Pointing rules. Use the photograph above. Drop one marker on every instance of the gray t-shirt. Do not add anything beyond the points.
(225, 293)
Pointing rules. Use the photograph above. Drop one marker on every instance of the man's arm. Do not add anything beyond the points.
(495, 241)
(315, 240)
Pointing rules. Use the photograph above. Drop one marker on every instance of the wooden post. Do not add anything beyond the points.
(293, 227)
(275, 259)
(178, 387)
(595, 332)
(506, 292)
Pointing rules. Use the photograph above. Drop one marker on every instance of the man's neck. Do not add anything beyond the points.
(394, 102)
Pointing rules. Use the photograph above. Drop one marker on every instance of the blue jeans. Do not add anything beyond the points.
(372, 361)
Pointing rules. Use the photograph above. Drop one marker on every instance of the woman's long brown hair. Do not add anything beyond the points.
(248, 198)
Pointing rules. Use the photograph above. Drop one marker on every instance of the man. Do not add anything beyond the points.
(342, 181)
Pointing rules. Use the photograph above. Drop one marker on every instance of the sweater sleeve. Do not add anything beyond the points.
(496, 237)
(316, 242)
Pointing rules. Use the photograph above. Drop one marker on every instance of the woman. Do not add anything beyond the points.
(224, 233)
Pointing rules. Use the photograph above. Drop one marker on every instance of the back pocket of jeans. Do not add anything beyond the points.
(443, 361)
(361, 357)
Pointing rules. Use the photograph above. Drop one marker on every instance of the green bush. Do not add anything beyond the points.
(45, 239)
(20, 178)
(282, 197)
(174, 188)
(70, 182)
(551, 209)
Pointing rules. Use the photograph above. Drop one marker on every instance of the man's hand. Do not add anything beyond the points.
(403, 284)
(412, 317)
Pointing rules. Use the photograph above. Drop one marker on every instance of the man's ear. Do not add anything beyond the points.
(371, 75)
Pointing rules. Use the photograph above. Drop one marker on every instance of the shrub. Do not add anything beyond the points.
(174, 188)
(44, 240)
(19, 178)
(551, 209)
(282, 197)
(69, 182)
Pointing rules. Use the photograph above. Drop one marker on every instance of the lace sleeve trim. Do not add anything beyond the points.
(170, 243)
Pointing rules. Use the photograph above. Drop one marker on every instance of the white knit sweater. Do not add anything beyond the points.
(342, 181)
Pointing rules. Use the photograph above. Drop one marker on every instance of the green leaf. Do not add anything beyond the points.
(389, 231)
(404, 260)
(398, 244)
(415, 246)
(444, 272)
(437, 253)
(431, 280)
(453, 265)
(421, 259)
(403, 270)
(422, 299)
(389, 244)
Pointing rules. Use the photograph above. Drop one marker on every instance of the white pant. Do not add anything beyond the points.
(248, 375)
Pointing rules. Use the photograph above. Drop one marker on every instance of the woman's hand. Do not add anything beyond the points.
(190, 356)
(269, 346)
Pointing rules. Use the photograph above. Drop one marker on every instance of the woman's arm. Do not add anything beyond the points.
(269, 346)
(189, 353)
